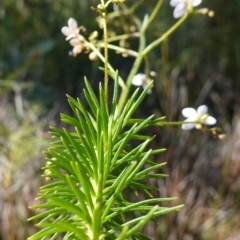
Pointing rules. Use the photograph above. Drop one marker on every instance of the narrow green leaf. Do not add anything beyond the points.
(139, 166)
(109, 151)
(88, 126)
(155, 214)
(103, 110)
(121, 146)
(92, 94)
(138, 151)
(149, 169)
(121, 185)
(115, 97)
(141, 223)
(73, 103)
(80, 197)
(50, 212)
(85, 182)
(80, 150)
(136, 104)
(66, 205)
(44, 233)
(65, 227)
(91, 161)
(70, 120)
(150, 176)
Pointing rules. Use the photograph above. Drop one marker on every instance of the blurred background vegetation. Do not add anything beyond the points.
(198, 64)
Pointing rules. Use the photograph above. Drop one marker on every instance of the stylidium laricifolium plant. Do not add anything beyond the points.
(90, 168)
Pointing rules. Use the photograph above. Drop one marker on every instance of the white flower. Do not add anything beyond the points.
(72, 30)
(141, 80)
(181, 6)
(197, 117)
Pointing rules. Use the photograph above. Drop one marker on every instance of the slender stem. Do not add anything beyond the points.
(123, 36)
(135, 6)
(162, 123)
(105, 32)
(133, 71)
(102, 58)
(129, 52)
(154, 13)
(173, 123)
(155, 43)
(144, 51)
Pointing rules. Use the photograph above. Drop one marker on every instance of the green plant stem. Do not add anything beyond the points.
(123, 36)
(135, 5)
(154, 13)
(143, 51)
(161, 123)
(129, 52)
(105, 32)
(155, 43)
(133, 72)
(102, 58)
(173, 123)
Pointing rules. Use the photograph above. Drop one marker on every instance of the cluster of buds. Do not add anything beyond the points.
(76, 40)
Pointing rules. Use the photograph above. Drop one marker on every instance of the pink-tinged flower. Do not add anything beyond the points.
(182, 5)
(72, 30)
(78, 46)
(197, 117)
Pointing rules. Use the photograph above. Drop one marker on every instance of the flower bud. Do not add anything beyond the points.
(93, 56)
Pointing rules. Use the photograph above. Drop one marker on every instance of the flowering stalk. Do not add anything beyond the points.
(155, 43)
(134, 70)
(154, 13)
(143, 50)
(111, 70)
(103, 12)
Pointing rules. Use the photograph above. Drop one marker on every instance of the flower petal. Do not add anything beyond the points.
(210, 120)
(203, 109)
(138, 79)
(72, 23)
(174, 3)
(189, 112)
(180, 10)
(66, 31)
(188, 126)
(196, 2)
(74, 42)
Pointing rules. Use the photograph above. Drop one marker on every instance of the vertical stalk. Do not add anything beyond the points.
(155, 43)
(97, 211)
(139, 59)
(105, 32)
(133, 72)
(154, 13)
(143, 51)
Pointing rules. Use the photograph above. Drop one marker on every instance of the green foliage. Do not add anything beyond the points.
(92, 166)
